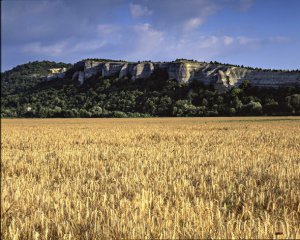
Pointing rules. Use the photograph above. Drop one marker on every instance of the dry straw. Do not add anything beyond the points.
(150, 178)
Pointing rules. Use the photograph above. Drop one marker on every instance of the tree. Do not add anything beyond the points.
(96, 111)
(252, 108)
(164, 106)
(150, 105)
(184, 108)
(84, 113)
(292, 104)
(236, 103)
(245, 84)
(119, 114)
(204, 102)
(55, 112)
(270, 106)
(235, 91)
(231, 111)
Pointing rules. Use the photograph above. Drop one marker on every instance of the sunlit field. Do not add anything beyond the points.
(150, 178)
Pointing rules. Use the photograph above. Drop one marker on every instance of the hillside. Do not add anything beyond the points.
(106, 88)
(26, 76)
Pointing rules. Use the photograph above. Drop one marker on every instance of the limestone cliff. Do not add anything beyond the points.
(56, 73)
(91, 68)
(221, 76)
(127, 70)
(142, 70)
(112, 69)
(184, 72)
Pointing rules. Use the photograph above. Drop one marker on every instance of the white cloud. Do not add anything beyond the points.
(147, 41)
(63, 48)
(192, 24)
(248, 41)
(55, 49)
(208, 41)
(138, 10)
(88, 46)
(228, 40)
(144, 42)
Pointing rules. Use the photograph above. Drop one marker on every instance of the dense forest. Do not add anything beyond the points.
(25, 93)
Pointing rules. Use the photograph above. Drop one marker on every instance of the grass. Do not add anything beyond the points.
(150, 178)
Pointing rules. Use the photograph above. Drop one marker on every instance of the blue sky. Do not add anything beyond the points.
(258, 33)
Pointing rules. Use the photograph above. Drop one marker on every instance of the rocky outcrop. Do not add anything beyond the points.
(222, 77)
(142, 70)
(127, 70)
(57, 70)
(81, 77)
(124, 71)
(271, 79)
(184, 72)
(234, 76)
(56, 73)
(91, 68)
(228, 78)
(112, 69)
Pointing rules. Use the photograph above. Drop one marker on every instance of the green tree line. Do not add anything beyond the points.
(25, 94)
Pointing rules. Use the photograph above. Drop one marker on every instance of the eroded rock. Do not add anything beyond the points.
(112, 69)
(56, 73)
(81, 77)
(142, 70)
(183, 72)
(222, 76)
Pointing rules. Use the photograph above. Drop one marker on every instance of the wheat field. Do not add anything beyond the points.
(150, 178)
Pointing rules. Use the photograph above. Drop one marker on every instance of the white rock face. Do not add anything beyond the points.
(234, 76)
(230, 77)
(54, 76)
(56, 73)
(142, 70)
(81, 77)
(127, 70)
(92, 68)
(270, 79)
(112, 69)
(57, 70)
(223, 77)
(124, 71)
(183, 72)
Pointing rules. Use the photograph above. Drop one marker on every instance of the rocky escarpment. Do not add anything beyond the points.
(234, 76)
(142, 70)
(184, 72)
(221, 76)
(56, 73)
(86, 69)
(111, 69)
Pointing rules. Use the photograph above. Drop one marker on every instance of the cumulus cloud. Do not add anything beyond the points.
(62, 48)
(192, 23)
(181, 15)
(138, 10)
(228, 40)
(55, 49)
(125, 29)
